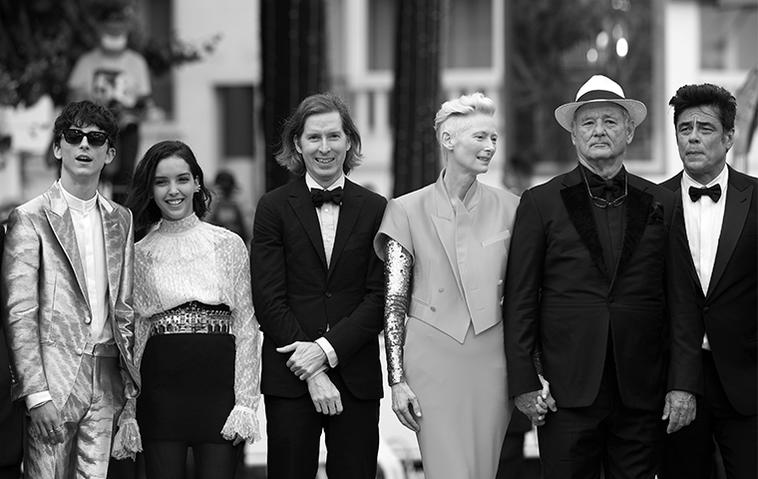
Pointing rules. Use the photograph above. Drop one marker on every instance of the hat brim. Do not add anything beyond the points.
(564, 114)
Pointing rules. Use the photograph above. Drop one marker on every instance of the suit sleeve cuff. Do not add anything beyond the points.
(331, 354)
(37, 399)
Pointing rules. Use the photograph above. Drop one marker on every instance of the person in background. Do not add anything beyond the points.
(716, 291)
(225, 210)
(197, 343)
(117, 77)
(67, 291)
(586, 289)
(445, 249)
(317, 288)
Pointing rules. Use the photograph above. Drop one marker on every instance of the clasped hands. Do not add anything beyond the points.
(680, 409)
(536, 404)
(308, 362)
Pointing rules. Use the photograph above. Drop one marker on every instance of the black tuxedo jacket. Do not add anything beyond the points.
(561, 297)
(297, 298)
(728, 313)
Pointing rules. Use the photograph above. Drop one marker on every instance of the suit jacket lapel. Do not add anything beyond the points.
(113, 239)
(577, 203)
(62, 225)
(638, 208)
(441, 212)
(739, 194)
(352, 202)
(301, 204)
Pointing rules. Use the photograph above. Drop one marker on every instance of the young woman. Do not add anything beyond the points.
(197, 343)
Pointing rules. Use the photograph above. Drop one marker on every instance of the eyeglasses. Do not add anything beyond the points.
(94, 138)
(602, 202)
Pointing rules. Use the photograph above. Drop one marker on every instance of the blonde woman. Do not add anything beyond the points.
(445, 248)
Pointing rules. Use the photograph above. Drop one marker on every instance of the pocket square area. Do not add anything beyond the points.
(501, 236)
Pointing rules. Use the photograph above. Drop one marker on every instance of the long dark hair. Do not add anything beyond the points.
(140, 200)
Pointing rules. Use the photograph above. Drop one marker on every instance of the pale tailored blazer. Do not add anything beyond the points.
(46, 306)
(459, 259)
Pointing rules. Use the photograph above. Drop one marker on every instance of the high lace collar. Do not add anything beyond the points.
(178, 226)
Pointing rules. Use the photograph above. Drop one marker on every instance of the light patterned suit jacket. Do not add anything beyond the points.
(46, 304)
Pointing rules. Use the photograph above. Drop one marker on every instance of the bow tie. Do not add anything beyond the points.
(319, 196)
(610, 190)
(714, 193)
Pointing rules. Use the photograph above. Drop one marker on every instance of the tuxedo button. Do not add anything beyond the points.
(87, 320)
(320, 331)
(328, 294)
(706, 308)
(79, 351)
(441, 290)
(432, 308)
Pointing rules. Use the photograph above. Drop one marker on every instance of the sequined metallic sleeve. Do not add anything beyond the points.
(397, 282)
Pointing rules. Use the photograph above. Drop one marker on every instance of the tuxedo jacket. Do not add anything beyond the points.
(728, 312)
(298, 298)
(46, 307)
(563, 300)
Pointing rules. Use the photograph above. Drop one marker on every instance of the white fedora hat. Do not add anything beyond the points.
(598, 89)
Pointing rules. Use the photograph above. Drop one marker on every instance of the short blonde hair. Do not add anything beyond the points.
(462, 106)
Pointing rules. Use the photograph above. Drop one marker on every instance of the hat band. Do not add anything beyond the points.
(600, 95)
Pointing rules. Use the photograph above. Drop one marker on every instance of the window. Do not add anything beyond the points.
(236, 114)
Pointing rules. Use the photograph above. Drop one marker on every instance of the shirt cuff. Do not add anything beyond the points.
(331, 354)
(37, 399)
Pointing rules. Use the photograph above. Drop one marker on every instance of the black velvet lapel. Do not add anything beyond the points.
(300, 200)
(577, 203)
(639, 207)
(352, 202)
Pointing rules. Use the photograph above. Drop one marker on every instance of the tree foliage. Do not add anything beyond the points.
(40, 40)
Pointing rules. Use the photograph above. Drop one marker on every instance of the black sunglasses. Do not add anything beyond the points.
(94, 138)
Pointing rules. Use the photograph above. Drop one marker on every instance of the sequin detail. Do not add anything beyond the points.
(397, 283)
(192, 318)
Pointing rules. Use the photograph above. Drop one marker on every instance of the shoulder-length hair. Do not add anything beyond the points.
(288, 155)
(140, 200)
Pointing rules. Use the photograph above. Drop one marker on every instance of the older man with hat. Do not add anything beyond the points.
(585, 303)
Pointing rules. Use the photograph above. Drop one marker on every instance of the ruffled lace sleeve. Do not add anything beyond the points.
(243, 419)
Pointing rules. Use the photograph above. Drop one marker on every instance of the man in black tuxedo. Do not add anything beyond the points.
(318, 295)
(11, 413)
(715, 290)
(585, 293)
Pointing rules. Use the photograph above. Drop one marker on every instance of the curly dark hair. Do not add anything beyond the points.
(140, 200)
(288, 155)
(80, 114)
(690, 96)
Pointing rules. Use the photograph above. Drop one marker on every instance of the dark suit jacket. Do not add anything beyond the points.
(728, 313)
(561, 298)
(297, 298)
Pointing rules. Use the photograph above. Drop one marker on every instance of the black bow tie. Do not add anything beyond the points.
(607, 189)
(319, 196)
(714, 193)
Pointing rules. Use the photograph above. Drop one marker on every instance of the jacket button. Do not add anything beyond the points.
(87, 320)
(79, 351)
(706, 308)
(432, 308)
(328, 294)
(320, 331)
(441, 290)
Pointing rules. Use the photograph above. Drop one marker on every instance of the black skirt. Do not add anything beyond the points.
(187, 387)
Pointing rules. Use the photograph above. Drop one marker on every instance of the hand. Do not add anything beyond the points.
(680, 409)
(324, 394)
(405, 405)
(237, 439)
(46, 423)
(307, 359)
(535, 405)
(546, 395)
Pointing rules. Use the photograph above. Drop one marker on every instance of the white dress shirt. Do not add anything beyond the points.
(88, 227)
(703, 220)
(328, 216)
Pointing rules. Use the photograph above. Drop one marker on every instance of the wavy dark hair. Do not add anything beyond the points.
(288, 155)
(85, 113)
(140, 200)
(706, 94)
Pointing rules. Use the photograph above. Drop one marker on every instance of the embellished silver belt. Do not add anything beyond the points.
(194, 318)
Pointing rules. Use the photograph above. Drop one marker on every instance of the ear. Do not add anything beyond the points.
(447, 140)
(729, 139)
(349, 145)
(296, 141)
(630, 133)
(57, 153)
(110, 155)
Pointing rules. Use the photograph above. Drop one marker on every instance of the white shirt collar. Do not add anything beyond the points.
(78, 204)
(722, 179)
(311, 183)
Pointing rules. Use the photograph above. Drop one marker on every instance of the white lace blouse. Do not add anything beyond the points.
(190, 260)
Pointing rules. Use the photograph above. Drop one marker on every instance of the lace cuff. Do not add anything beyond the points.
(243, 421)
(127, 442)
(397, 279)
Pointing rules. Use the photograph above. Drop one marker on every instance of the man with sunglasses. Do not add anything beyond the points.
(66, 278)
(585, 290)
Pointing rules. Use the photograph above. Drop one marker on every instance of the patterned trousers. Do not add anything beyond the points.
(89, 417)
